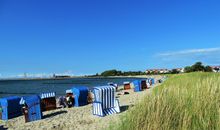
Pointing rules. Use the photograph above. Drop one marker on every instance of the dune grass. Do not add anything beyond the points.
(183, 102)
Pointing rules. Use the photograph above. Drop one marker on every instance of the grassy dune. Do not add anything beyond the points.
(184, 102)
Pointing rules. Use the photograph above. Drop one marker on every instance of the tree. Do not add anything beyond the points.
(174, 71)
(120, 73)
(187, 69)
(208, 69)
(109, 73)
(197, 67)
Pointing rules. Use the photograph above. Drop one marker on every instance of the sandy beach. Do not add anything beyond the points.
(77, 118)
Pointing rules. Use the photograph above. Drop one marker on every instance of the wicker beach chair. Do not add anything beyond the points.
(31, 108)
(80, 95)
(10, 107)
(48, 101)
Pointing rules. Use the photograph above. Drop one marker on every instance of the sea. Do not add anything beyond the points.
(31, 87)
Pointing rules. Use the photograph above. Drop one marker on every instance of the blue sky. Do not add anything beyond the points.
(85, 37)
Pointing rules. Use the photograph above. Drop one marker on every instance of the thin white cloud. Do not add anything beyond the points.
(210, 56)
(189, 52)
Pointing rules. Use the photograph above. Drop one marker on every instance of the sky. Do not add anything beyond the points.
(81, 37)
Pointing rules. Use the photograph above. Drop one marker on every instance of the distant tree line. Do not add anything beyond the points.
(115, 72)
(198, 66)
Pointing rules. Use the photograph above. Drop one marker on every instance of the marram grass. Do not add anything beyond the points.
(183, 102)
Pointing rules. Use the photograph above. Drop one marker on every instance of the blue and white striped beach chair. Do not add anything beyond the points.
(105, 102)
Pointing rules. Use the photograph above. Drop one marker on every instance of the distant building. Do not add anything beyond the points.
(163, 71)
(157, 71)
(215, 68)
(61, 76)
(180, 70)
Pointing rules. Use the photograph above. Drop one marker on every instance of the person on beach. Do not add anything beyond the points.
(90, 97)
(70, 101)
(62, 102)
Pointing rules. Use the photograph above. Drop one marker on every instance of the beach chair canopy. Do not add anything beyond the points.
(80, 95)
(105, 102)
(47, 95)
(113, 84)
(10, 107)
(137, 85)
(33, 106)
(126, 82)
(127, 85)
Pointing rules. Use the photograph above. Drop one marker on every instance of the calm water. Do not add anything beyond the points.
(28, 87)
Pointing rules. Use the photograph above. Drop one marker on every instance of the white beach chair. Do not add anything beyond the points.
(105, 102)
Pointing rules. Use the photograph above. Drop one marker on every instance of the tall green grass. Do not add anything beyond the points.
(183, 102)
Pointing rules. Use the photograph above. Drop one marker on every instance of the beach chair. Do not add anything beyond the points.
(151, 81)
(139, 85)
(144, 84)
(48, 101)
(127, 85)
(31, 108)
(10, 107)
(80, 95)
(113, 84)
(105, 102)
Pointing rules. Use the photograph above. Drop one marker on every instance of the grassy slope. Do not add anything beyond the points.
(183, 102)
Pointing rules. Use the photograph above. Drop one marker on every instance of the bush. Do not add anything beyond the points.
(208, 69)
(197, 67)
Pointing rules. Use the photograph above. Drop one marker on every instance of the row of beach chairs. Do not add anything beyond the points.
(104, 101)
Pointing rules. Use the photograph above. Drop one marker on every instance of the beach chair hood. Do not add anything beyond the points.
(33, 106)
(137, 85)
(10, 107)
(80, 95)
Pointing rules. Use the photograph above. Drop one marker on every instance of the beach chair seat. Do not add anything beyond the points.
(99, 111)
